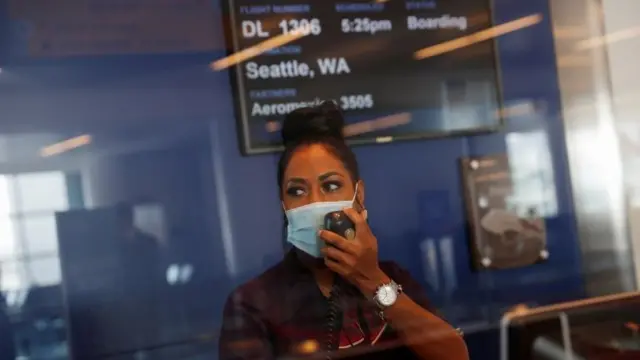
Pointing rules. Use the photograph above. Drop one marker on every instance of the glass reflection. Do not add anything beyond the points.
(122, 183)
(532, 175)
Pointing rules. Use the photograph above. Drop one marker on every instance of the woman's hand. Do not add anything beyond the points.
(355, 260)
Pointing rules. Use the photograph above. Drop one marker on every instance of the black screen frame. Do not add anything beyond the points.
(242, 126)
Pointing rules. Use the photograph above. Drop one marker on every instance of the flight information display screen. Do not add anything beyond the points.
(398, 69)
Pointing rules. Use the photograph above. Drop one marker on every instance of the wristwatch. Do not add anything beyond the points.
(386, 295)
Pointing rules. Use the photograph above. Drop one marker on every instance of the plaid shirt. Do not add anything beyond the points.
(283, 314)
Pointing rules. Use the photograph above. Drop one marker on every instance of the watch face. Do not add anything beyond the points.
(387, 295)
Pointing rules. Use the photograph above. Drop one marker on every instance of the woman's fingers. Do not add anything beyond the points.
(337, 241)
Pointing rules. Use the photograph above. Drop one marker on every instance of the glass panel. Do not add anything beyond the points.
(10, 246)
(5, 196)
(12, 276)
(42, 192)
(45, 271)
(40, 233)
(128, 105)
(8, 195)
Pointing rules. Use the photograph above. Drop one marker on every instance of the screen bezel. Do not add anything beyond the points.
(241, 119)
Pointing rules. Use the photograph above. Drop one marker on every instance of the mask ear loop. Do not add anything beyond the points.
(364, 211)
(355, 193)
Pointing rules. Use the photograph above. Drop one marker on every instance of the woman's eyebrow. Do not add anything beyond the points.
(297, 180)
(328, 175)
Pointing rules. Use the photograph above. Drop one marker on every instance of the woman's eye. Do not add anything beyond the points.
(295, 191)
(332, 186)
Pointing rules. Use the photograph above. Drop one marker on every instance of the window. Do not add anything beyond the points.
(532, 174)
(28, 236)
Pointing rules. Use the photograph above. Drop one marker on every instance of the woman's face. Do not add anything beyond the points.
(313, 175)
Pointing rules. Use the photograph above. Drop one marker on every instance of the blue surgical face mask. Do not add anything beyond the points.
(305, 222)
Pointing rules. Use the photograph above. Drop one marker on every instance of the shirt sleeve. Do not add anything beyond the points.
(243, 335)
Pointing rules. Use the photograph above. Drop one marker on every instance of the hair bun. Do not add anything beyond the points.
(314, 122)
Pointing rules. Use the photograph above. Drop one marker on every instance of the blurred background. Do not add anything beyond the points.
(138, 154)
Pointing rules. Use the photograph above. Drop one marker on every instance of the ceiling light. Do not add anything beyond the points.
(477, 37)
(255, 50)
(66, 145)
(611, 38)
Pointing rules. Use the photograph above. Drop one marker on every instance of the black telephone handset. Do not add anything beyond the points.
(338, 222)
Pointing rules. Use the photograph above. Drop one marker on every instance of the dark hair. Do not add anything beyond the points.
(321, 124)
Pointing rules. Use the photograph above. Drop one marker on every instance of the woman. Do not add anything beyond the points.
(330, 296)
